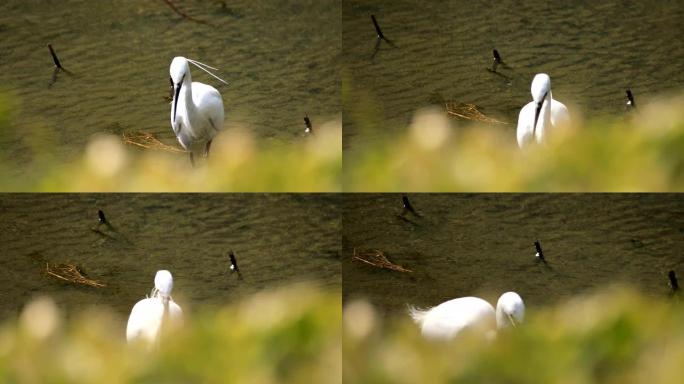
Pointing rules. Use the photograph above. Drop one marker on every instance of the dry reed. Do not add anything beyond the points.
(468, 112)
(72, 274)
(148, 141)
(377, 258)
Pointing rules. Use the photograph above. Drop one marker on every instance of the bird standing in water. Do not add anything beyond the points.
(197, 108)
(448, 319)
(541, 114)
(149, 315)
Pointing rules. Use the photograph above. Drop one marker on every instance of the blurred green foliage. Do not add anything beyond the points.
(238, 162)
(290, 335)
(643, 150)
(614, 336)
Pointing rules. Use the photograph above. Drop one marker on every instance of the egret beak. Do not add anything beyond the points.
(510, 318)
(175, 97)
(536, 114)
(175, 101)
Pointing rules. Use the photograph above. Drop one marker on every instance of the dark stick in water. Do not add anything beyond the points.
(58, 67)
(54, 57)
(381, 36)
(101, 216)
(497, 57)
(540, 253)
(307, 122)
(495, 64)
(674, 284)
(53, 79)
(497, 60)
(377, 28)
(103, 220)
(114, 234)
(233, 264)
(630, 99)
(182, 14)
(407, 206)
(233, 261)
(376, 48)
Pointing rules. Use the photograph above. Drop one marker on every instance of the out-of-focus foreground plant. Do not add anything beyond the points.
(238, 162)
(289, 335)
(615, 336)
(640, 151)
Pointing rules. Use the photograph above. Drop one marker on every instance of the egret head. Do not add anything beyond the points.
(510, 310)
(179, 67)
(179, 71)
(541, 87)
(163, 282)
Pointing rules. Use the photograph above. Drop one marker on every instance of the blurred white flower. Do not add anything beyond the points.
(40, 318)
(429, 128)
(105, 155)
(359, 319)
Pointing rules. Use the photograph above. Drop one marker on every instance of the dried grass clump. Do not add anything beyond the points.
(148, 141)
(72, 274)
(377, 258)
(468, 112)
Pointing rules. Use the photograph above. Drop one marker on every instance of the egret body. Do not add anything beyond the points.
(196, 109)
(149, 315)
(448, 319)
(541, 114)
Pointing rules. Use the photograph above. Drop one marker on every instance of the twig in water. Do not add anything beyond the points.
(630, 99)
(497, 57)
(54, 57)
(377, 259)
(376, 48)
(497, 61)
(234, 265)
(111, 232)
(380, 37)
(148, 141)
(307, 122)
(407, 206)
(540, 253)
(101, 216)
(53, 79)
(72, 274)
(674, 284)
(469, 112)
(58, 67)
(184, 15)
(495, 64)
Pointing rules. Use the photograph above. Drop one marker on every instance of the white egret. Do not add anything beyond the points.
(448, 319)
(196, 109)
(540, 114)
(151, 314)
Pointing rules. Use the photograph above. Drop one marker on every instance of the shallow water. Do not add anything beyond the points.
(278, 240)
(279, 57)
(593, 51)
(483, 245)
